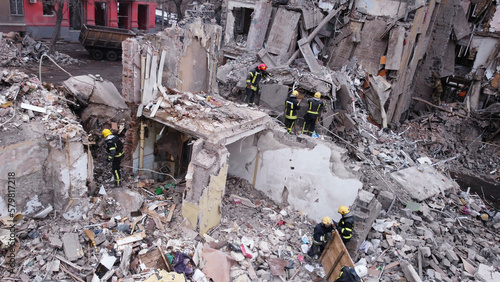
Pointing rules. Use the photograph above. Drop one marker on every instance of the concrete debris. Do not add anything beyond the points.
(17, 51)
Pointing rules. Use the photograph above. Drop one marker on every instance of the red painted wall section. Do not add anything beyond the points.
(33, 15)
(135, 11)
(113, 14)
(89, 12)
(152, 15)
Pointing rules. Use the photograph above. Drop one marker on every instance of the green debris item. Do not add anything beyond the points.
(413, 206)
(170, 258)
(169, 185)
(159, 191)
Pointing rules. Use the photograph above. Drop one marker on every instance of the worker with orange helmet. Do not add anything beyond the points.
(322, 234)
(346, 224)
(314, 107)
(253, 79)
(292, 105)
(115, 154)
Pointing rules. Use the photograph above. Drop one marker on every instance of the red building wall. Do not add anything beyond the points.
(34, 14)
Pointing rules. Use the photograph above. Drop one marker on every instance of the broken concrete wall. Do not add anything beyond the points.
(393, 9)
(484, 46)
(131, 74)
(205, 185)
(447, 18)
(153, 129)
(260, 22)
(230, 19)
(46, 174)
(417, 40)
(189, 64)
(309, 175)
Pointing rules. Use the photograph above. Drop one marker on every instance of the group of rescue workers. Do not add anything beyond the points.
(323, 230)
(292, 103)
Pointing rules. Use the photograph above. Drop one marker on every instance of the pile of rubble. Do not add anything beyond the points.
(23, 99)
(440, 237)
(17, 52)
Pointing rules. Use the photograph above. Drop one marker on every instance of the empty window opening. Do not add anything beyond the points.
(100, 13)
(123, 15)
(142, 17)
(242, 21)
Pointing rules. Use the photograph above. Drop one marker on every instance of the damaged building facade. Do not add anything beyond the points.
(210, 138)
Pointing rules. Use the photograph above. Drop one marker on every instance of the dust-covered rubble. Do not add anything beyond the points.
(18, 52)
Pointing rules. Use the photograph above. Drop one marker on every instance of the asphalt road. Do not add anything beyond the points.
(111, 71)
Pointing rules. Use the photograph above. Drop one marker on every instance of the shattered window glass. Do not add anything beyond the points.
(16, 7)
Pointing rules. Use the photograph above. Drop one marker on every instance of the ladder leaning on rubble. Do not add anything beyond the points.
(334, 257)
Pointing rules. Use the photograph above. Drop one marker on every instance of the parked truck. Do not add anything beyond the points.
(104, 42)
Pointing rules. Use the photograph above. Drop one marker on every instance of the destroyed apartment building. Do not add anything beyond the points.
(216, 190)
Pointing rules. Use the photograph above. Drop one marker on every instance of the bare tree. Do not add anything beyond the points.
(178, 7)
(59, 12)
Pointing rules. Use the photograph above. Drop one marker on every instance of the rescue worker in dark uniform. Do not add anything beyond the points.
(253, 79)
(315, 105)
(291, 107)
(115, 154)
(346, 224)
(322, 234)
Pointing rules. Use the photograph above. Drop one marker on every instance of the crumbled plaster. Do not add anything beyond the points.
(314, 175)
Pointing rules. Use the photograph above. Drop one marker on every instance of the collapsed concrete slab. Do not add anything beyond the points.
(100, 98)
(423, 182)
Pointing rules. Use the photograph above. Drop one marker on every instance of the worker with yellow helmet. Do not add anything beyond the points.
(314, 107)
(346, 224)
(115, 154)
(292, 105)
(322, 234)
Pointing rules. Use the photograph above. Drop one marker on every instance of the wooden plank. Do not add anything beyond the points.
(335, 264)
(69, 263)
(155, 214)
(171, 213)
(167, 263)
(33, 108)
(156, 107)
(335, 256)
(159, 78)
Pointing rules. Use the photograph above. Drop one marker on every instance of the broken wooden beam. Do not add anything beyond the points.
(316, 31)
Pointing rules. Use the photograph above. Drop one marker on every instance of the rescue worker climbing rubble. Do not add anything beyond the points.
(114, 148)
(322, 234)
(292, 105)
(252, 85)
(346, 224)
(314, 106)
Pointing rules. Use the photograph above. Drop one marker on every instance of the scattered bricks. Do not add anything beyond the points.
(410, 274)
(416, 217)
(496, 226)
(450, 254)
(364, 200)
(426, 251)
(55, 242)
(413, 242)
(72, 248)
(385, 198)
(480, 258)
(420, 231)
(407, 221)
(445, 262)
